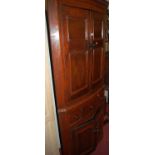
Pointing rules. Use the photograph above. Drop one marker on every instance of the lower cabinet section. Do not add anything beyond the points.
(82, 125)
(86, 136)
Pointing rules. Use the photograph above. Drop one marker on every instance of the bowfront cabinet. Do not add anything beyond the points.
(77, 35)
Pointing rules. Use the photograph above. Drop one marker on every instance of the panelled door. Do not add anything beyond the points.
(83, 37)
(76, 23)
(98, 54)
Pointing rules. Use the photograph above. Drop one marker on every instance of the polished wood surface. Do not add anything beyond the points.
(76, 50)
(96, 5)
(77, 38)
(98, 52)
(84, 138)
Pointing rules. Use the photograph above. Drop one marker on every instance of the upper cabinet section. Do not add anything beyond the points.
(83, 37)
(78, 53)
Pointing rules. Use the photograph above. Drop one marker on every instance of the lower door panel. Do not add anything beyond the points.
(84, 139)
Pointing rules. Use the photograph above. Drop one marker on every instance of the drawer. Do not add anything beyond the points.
(86, 110)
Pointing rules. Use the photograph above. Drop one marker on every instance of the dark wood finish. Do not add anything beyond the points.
(107, 70)
(77, 42)
(99, 124)
(76, 50)
(86, 110)
(98, 52)
(84, 138)
(107, 49)
(87, 4)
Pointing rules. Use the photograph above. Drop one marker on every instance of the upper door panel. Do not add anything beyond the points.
(77, 58)
(98, 54)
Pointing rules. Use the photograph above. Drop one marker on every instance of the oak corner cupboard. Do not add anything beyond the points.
(77, 35)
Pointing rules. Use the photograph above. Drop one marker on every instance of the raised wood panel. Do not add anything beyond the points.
(76, 31)
(84, 139)
(98, 28)
(97, 69)
(77, 28)
(98, 53)
(78, 72)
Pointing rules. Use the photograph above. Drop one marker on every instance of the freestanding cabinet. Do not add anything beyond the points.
(77, 33)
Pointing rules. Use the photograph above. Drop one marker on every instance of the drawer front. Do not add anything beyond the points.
(87, 110)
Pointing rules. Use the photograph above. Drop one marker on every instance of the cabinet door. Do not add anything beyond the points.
(98, 53)
(77, 58)
(84, 139)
